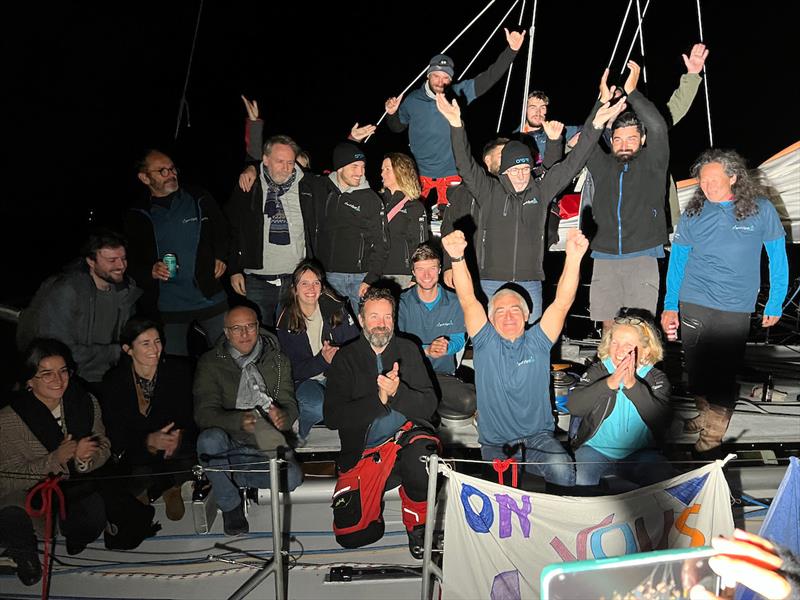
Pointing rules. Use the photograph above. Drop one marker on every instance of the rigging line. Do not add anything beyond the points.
(478, 53)
(446, 48)
(635, 36)
(183, 102)
(641, 39)
(508, 77)
(705, 78)
(619, 35)
(528, 67)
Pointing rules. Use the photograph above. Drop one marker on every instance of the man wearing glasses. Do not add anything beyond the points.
(511, 234)
(244, 404)
(185, 222)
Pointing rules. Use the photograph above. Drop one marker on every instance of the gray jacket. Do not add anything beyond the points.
(64, 308)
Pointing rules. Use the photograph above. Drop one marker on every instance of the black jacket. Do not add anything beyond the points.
(407, 229)
(593, 400)
(635, 190)
(296, 346)
(511, 234)
(245, 212)
(127, 428)
(349, 230)
(351, 396)
(143, 250)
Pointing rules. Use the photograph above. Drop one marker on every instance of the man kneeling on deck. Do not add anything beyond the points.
(512, 365)
(381, 399)
(244, 401)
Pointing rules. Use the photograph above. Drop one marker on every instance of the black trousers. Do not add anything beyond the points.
(410, 472)
(714, 342)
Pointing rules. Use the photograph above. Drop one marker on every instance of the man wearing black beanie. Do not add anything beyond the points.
(350, 240)
(511, 235)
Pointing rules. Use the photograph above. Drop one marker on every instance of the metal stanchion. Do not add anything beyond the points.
(275, 564)
(428, 567)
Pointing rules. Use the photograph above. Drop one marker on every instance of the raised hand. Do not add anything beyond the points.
(553, 129)
(392, 104)
(605, 93)
(577, 244)
(450, 110)
(696, 59)
(607, 113)
(633, 77)
(455, 244)
(160, 271)
(514, 39)
(252, 108)
(359, 133)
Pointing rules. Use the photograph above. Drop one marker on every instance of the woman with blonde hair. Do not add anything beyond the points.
(405, 213)
(623, 402)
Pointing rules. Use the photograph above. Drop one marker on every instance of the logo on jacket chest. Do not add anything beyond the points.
(353, 206)
(531, 201)
(526, 361)
(446, 324)
(190, 220)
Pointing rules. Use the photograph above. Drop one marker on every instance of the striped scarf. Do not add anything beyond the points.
(273, 208)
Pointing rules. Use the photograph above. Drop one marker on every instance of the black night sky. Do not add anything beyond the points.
(89, 85)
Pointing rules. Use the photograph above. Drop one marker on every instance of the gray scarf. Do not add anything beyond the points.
(252, 390)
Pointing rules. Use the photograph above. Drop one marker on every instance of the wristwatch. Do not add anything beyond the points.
(459, 259)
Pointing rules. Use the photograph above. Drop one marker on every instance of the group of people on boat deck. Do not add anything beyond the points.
(338, 313)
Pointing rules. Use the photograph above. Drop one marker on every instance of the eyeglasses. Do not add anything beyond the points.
(629, 321)
(51, 376)
(165, 171)
(518, 171)
(240, 329)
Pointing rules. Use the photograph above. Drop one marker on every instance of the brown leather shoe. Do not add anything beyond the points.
(174, 503)
(717, 420)
(697, 424)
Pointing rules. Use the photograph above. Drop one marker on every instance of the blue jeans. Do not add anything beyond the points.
(642, 467)
(267, 296)
(216, 448)
(543, 448)
(534, 289)
(347, 285)
(177, 334)
(310, 395)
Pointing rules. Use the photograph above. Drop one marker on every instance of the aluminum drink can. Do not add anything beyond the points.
(172, 264)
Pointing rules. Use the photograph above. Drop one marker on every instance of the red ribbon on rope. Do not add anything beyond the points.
(501, 466)
(46, 489)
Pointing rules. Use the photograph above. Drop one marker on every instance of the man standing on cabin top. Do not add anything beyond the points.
(184, 221)
(350, 237)
(628, 207)
(428, 133)
(512, 365)
(270, 227)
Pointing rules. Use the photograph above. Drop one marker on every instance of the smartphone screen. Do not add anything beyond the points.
(664, 574)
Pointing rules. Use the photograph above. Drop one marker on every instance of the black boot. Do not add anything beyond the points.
(416, 541)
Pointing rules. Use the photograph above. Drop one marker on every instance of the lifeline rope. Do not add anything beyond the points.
(46, 489)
